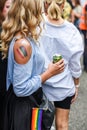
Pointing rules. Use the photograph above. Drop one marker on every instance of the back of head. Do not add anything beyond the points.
(53, 8)
(25, 14)
(77, 2)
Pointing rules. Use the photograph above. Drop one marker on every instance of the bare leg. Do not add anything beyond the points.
(61, 119)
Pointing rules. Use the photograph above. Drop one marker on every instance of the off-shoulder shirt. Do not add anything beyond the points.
(25, 78)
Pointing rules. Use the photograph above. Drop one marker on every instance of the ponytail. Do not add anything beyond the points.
(52, 8)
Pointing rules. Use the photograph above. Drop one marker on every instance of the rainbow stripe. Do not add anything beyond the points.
(36, 119)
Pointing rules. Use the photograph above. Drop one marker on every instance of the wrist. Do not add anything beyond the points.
(77, 85)
(45, 76)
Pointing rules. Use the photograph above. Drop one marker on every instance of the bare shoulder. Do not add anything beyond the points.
(22, 51)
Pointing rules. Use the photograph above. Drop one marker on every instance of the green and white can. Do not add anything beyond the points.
(56, 58)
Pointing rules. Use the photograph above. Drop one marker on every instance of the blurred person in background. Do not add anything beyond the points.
(4, 7)
(70, 2)
(83, 28)
(67, 11)
(76, 13)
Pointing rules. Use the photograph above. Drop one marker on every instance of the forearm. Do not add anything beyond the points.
(76, 81)
(77, 15)
(46, 75)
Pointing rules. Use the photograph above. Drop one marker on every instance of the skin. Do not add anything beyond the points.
(6, 7)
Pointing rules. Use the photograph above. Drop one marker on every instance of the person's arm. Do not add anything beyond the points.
(72, 17)
(76, 14)
(77, 82)
(22, 85)
(74, 64)
(76, 48)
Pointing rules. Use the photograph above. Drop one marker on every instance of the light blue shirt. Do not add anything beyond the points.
(25, 78)
(66, 40)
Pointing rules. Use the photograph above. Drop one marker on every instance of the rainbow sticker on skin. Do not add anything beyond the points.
(36, 119)
(22, 51)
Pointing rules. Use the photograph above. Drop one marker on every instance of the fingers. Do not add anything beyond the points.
(57, 68)
(60, 65)
(61, 62)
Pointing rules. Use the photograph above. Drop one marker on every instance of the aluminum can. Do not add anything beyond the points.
(56, 58)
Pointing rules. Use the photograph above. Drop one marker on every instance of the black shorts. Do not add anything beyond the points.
(64, 104)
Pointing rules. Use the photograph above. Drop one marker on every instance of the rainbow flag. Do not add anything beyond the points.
(36, 119)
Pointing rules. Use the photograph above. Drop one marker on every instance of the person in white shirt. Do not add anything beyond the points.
(61, 37)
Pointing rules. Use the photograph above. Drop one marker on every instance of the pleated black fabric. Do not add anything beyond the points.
(3, 72)
(17, 112)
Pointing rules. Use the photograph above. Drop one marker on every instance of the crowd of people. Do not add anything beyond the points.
(31, 33)
(78, 16)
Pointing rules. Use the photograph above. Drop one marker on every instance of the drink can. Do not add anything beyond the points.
(56, 58)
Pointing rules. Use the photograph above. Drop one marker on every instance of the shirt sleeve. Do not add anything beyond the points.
(77, 49)
(24, 82)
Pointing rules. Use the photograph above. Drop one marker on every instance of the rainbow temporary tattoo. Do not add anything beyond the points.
(36, 119)
(22, 51)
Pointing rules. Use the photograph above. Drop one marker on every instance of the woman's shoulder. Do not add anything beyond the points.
(22, 50)
(70, 25)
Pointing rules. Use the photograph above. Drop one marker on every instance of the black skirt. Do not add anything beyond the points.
(17, 111)
(3, 72)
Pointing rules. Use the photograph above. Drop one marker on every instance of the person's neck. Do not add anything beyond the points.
(56, 22)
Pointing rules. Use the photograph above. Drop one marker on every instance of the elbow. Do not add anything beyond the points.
(19, 91)
(77, 74)
(22, 91)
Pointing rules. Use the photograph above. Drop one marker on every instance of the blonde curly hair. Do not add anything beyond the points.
(52, 8)
(24, 16)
